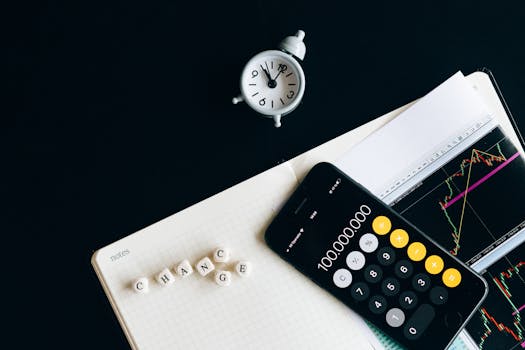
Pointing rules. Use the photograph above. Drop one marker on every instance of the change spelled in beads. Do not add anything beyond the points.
(204, 267)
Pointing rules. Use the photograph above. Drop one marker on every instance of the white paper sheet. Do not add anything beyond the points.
(381, 159)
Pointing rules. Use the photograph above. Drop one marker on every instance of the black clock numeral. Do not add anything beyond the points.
(282, 68)
(262, 101)
(287, 75)
(257, 93)
(281, 100)
(290, 95)
(254, 73)
(291, 84)
(271, 64)
(272, 103)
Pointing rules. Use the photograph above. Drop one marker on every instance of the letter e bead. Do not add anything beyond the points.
(243, 268)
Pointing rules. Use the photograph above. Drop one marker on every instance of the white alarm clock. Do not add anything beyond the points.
(272, 82)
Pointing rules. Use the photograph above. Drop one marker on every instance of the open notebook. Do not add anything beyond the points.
(276, 307)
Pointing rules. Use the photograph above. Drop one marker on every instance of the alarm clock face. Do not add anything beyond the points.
(272, 83)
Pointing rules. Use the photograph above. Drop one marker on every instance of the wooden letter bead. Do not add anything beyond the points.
(221, 255)
(184, 269)
(165, 277)
(223, 278)
(204, 266)
(141, 285)
(243, 268)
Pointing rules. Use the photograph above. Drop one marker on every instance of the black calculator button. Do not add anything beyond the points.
(390, 286)
(377, 304)
(421, 282)
(438, 295)
(360, 291)
(386, 256)
(408, 300)
(404, 269)
(373, 273)
(418, 323)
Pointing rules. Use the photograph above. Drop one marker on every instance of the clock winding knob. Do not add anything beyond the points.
(294, 45)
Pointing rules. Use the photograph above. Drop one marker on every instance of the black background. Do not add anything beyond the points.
(119, 114)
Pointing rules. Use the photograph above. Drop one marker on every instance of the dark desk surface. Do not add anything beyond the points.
(123, 116)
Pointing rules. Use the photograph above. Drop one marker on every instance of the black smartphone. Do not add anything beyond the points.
(351, 244)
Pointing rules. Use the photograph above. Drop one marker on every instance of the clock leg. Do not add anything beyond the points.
(277, 120)
(237, 99)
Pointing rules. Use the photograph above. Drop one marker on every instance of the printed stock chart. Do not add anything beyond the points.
(470, 206)
(498, 323)
(474, 202)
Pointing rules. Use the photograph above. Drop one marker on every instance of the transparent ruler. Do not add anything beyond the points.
(438, 157)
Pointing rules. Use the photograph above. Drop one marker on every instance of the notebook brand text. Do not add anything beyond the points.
(119, 255)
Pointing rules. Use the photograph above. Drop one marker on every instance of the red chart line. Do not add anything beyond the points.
(502, 288)
(501, 327)
(482, 180)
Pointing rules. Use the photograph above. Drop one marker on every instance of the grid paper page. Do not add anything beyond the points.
(275, 307)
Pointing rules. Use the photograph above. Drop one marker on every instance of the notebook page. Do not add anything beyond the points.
(276, 307)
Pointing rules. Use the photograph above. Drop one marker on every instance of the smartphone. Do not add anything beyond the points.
(373, 260)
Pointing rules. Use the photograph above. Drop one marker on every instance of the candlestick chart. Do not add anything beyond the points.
(499, 322)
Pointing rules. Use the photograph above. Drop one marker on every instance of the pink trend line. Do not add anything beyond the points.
(521, 308)
(483, 179)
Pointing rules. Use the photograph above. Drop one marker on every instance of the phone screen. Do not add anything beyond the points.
(349, 243)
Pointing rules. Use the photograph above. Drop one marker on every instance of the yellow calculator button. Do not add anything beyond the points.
(399, 238)
(434, 264)
(381, 225)
(451, 278)
(416, 251)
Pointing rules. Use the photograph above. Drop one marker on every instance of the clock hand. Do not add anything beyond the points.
(271, 82)
(268, 69)
(266, 73)
(280, 71)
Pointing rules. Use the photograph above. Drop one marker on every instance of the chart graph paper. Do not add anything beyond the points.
(471, 204)
(498, 324)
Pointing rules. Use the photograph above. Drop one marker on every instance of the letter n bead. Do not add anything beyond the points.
(204, 266)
